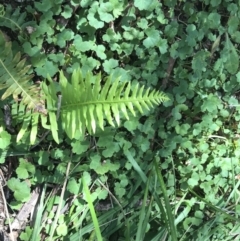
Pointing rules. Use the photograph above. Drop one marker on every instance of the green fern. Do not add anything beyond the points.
(29, 98)
(12, 18)
(15, 79)
(87, 105)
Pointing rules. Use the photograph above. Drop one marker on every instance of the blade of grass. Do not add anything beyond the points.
(162, 235)
(183, 214)
(234, 192)
(135, 165)
(134, 189)
(185, 211)
(144, 216)
(119, 204)
(166, 201)
(92, 210)
(171, 227)
(88, 228)
(141, 230)
(209, 228)
(77, 218)
(217, 209)
(102, 220)
(54, 225)
(118, 223)
(39, 213)
(6, 208)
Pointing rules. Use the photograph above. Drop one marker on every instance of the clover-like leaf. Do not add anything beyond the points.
(110, 64)
(62, 229)
(67, 11)
(73, 186)
(79, 147)
(5, 139)
(118, 7)
(47, 69)
(24, 169)
(26, 235)
(104, 12)
(102, 167)
(43, 6)
(21, 190)
(82, 45)
(94, 22)
(119, 190)
(145, 5)
(153, 37)
(63, 37)
(100, 51)
(213, 20)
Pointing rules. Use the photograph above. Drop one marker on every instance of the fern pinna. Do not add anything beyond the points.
(75, 104)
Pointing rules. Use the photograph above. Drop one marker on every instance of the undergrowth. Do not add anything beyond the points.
(171, 173)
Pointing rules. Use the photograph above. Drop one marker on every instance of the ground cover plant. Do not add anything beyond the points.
(119, 120)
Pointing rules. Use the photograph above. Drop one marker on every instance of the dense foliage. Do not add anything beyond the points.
(170, 174)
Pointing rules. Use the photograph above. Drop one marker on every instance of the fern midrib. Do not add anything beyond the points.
(10, 20)
(15, 81)
(147, 99)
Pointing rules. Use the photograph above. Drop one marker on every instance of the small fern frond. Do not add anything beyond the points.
(12, 18)
(87, 105)
(15, 79)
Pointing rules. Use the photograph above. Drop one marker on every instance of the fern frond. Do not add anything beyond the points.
(15, 79)
(12, 18)
(87, 105)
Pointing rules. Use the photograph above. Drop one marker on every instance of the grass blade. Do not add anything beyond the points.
(92, 210)
(169, 213)
(38, 220)
(144, 216)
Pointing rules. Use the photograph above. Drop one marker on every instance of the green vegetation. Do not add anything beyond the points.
(119, 120)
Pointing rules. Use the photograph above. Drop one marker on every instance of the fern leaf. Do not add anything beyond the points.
(15, 79)
(12, 18)
(87, 105)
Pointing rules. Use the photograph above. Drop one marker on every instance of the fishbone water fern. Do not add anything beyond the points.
(12, 18)
(15, 79)
(84, 103)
